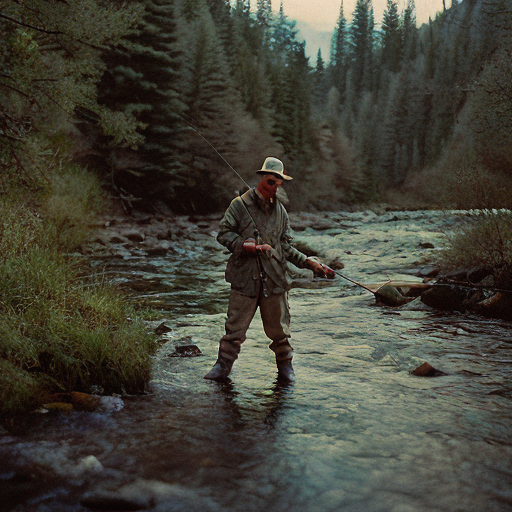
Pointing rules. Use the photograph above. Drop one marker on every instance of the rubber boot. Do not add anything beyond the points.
(285, 371)
(228, 354)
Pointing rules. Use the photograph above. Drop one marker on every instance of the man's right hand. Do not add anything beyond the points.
(249, 246)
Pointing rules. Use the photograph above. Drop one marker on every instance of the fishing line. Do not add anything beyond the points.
(189, 123)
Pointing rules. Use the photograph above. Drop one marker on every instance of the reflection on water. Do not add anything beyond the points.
(356, 433)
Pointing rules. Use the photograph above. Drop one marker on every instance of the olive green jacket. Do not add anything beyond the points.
(273, 225)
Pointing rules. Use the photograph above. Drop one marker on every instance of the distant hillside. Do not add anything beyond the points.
(314, 39)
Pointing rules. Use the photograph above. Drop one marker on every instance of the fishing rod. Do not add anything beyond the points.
(191, 125)
(354, 282)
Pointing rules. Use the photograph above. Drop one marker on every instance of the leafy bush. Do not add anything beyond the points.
(484, 241)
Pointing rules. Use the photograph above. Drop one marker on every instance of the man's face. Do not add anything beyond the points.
(268, 185)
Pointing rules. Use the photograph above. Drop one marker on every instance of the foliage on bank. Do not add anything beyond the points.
(484, 242)
(60, 330)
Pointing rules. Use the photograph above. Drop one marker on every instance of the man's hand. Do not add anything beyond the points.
(250, 247)
(319, 269)
(264, 249)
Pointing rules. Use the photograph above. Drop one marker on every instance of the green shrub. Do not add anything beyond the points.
(485, 240)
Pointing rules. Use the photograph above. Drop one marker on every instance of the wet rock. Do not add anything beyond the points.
(89, 464)
(426, 245)
(389, 295)
(119, 253)
(134, 235)
(428, 271)
(452, 297)
(162, 329)
(96, 390)
(57, 407)
(497, 306)
(110, 404)
(77, 401)
(415, 305)
(426, 370)
(117, 240)
(336, 264)
(156, 247)
(111, 500)
(190, 350)
(466, 275)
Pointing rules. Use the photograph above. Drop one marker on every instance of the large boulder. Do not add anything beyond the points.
(452, 297)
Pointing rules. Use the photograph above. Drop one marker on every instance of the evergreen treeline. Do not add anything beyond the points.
(395, 108)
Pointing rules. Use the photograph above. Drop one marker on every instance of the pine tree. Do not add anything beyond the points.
(283, 36)
(221, 14)
(289, 73)
(409, 31)
(250, 63)
(144, 78)
(215, 109)
(391, 37)
(264, 13)
(338, 63)
(361, 39)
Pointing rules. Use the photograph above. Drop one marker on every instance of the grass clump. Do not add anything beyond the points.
(58, 330)
(484, 241)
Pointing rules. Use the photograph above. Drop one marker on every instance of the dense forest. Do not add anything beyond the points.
(148, 93)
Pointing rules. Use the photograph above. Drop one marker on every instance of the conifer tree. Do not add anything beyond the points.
(282, 36)
(391, 37)
(215, 108)
(144, 78)
(361, 39)
(289, 74)
(264, 13)
(409, 31)
(250, 65)
(338, 62)
(221, 14)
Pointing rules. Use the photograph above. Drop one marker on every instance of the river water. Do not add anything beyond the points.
(357, 432)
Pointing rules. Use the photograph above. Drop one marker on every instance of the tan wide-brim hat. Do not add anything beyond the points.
(274, 166)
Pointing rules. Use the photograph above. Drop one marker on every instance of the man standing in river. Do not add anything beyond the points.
(255, 229)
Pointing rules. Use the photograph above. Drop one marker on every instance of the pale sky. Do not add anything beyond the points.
(323, 14)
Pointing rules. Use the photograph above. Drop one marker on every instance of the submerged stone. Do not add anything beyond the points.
(58, 407)
(186, 351)
(162, 329)
(389, 295)
(78, 401)
(426, 370)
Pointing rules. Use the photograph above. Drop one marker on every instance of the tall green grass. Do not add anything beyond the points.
(59, 331)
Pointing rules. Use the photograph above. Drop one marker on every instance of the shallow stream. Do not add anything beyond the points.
(356, 433)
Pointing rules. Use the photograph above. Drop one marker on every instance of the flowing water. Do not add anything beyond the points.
(357, 432)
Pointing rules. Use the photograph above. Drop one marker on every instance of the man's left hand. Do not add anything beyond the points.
(319, 269)
(264, 249)
(328, 271)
